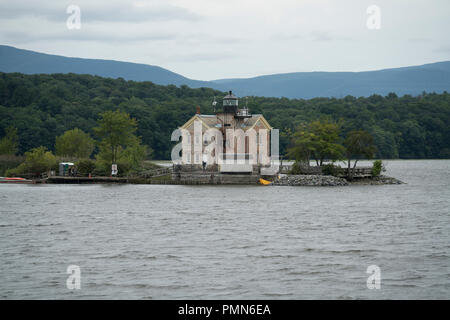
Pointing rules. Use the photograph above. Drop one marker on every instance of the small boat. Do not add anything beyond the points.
(265, 182)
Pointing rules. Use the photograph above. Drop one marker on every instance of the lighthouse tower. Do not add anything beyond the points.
(230, 103)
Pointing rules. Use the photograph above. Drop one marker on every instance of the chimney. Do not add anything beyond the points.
(198, 110)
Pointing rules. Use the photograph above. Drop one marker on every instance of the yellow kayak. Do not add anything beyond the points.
(264, 182)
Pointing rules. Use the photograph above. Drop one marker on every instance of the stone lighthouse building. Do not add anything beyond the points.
(233, 138)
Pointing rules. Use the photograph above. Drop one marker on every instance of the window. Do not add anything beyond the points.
(260, 138)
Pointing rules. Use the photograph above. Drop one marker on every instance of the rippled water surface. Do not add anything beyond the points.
(223, 242)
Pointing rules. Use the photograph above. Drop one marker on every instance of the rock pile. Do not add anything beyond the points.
(377, 181)
(310, 180)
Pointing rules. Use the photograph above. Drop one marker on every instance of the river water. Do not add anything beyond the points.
(230, 242)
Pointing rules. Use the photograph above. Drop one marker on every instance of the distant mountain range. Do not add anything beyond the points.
(433, 77)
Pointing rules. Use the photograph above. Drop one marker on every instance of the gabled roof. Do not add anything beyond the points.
(201, 118)
(251, 122)
(211, 121)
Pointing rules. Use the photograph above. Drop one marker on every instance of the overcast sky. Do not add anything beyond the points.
(214, 39)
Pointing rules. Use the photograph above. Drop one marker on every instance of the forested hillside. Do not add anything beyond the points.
(432, 77)
(43, 107)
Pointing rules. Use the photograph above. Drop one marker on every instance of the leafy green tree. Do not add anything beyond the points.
(119, 143)
(74, 143)
(10, 142)
(44, 106)
(359, 143)
(128, 158)
(385, 143)
(413, 138)
(303, 145)
(117, 131)
(37, 161)
(319, 140)
(85, 166)
(134, 153)
(377, 167)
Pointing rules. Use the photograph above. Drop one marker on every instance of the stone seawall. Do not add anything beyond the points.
(215, 178)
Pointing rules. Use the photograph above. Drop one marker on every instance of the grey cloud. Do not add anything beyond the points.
(203, 38)
(80, 35)
(285, 36)
(199, 57)
(135, 14)
(118, 34)
(95, 11)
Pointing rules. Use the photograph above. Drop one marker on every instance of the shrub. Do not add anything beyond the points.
(123, 168)
(101, 170)
(8, 162)
(37, 161)
(296, 168)
(85, 166)
(330, 169)
(377, 168)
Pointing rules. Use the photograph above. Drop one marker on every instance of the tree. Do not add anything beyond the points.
(37, 161)
(303, 145)
(85, 166)
(116, 129)
(358, 143)
(319, 140)
(74, 144)
(10, 142)
(134, 153)
(44, 106)
(119, 144)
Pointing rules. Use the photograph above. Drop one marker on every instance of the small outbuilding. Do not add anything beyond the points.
(64, 168)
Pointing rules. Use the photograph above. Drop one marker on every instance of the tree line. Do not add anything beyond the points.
(118, 145)
(39, 108)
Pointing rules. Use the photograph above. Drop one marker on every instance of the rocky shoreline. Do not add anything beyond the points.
(310, 180)
(322, 180)
(208, 179)
(376, 181)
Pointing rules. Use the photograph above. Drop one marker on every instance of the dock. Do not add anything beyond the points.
(85, 180)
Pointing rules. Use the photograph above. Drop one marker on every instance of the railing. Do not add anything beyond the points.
(156, 172)
(194, 168)
(243, 113)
